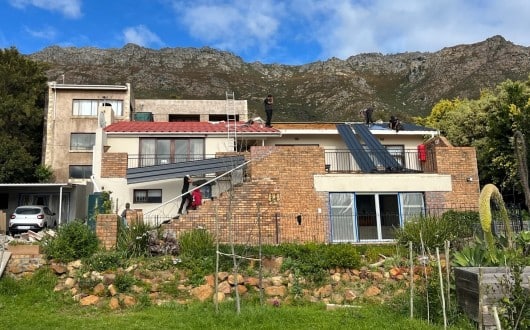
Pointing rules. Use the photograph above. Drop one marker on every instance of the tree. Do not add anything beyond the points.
(507, 113)
(489, 124)
(22, 99)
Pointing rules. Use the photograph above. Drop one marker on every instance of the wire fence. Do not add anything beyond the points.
(281, 228)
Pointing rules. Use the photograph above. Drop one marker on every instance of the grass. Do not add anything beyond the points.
(32, 304)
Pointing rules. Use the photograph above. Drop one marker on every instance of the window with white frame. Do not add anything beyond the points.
(147, 196)
(90, 107)
(82, 141)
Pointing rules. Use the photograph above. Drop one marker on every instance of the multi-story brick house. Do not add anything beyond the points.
(327, 182)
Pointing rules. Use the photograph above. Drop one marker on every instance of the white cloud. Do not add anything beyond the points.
(345, 27)
(237, 25)
(141, 35)
(69, 8)
(47, 33)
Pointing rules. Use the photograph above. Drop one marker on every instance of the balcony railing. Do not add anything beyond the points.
(342, 161)
(135, 161)
(337, 161)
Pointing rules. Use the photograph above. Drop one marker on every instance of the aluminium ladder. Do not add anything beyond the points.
(231, 121)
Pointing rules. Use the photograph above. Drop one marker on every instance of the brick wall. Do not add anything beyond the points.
(461, 164)
(107, 230)
(280, 188)
(114, 165)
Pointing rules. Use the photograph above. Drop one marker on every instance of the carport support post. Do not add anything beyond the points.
(60, 204)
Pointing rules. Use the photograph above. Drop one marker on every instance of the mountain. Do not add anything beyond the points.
(405, 84)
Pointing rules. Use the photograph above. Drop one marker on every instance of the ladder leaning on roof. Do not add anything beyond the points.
(231, 121)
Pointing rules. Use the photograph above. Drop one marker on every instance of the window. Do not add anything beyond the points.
(148, 196)
(80, 171)
(356, 217)
(90, 107)
(223, 117)
(413, 205)
(398, 152)
(82, 141)
(167, 151)
(193, 118)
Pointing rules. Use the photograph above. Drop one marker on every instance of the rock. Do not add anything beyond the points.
(277, 280)
(219, 297)
(59, 287)
(112, 290)
(224, 287)
(232, 279)
(89, 300)
(394, 272)
(210, 280)
(108, 278)
(252, 281)
(127, 300)
(242, 289)
(99, 290)
(345, 277)
(336, 277)
(337, 298)
(75, 264)
(273, 265)
(272, 291)
(372, 291)
(376, 276)
(114, 303)
(324, 291)
(69, 283)
(203, 292)
(137, 289)
(58, 269)
(349, 295)
(222, 276)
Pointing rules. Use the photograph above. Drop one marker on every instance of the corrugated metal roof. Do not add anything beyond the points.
(187, 127)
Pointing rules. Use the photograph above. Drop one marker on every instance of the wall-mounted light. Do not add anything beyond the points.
(469, 179)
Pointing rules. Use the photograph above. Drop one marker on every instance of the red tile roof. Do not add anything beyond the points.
(187, 127)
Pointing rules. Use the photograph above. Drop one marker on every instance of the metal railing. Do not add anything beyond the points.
(343, 161)
(135, 161)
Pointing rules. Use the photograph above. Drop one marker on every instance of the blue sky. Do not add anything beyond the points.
(269, 31)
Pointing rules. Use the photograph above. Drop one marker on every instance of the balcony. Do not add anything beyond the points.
(137, 161)
(409, 161)
(336, 160)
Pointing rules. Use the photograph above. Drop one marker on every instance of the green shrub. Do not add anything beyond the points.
(464, 223)
(133, 241)
(72, 241)
(124, 281)
(105, 260)
(373, 252)
(313, 261)
(197, 243)
(431, 231)
(87, 283)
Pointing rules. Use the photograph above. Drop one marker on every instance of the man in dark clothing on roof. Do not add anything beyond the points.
(267, 103)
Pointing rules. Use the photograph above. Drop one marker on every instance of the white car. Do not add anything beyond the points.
(31, 217)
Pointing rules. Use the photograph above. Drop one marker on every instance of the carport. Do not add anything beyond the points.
(10, 192)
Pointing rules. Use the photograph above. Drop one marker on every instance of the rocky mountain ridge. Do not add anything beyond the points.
(405, 84)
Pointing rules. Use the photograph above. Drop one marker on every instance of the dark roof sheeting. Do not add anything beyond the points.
(179, 170)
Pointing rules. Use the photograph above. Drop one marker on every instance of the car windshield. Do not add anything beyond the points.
(27, 210)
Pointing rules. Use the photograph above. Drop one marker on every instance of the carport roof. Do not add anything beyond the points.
(34, 184)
